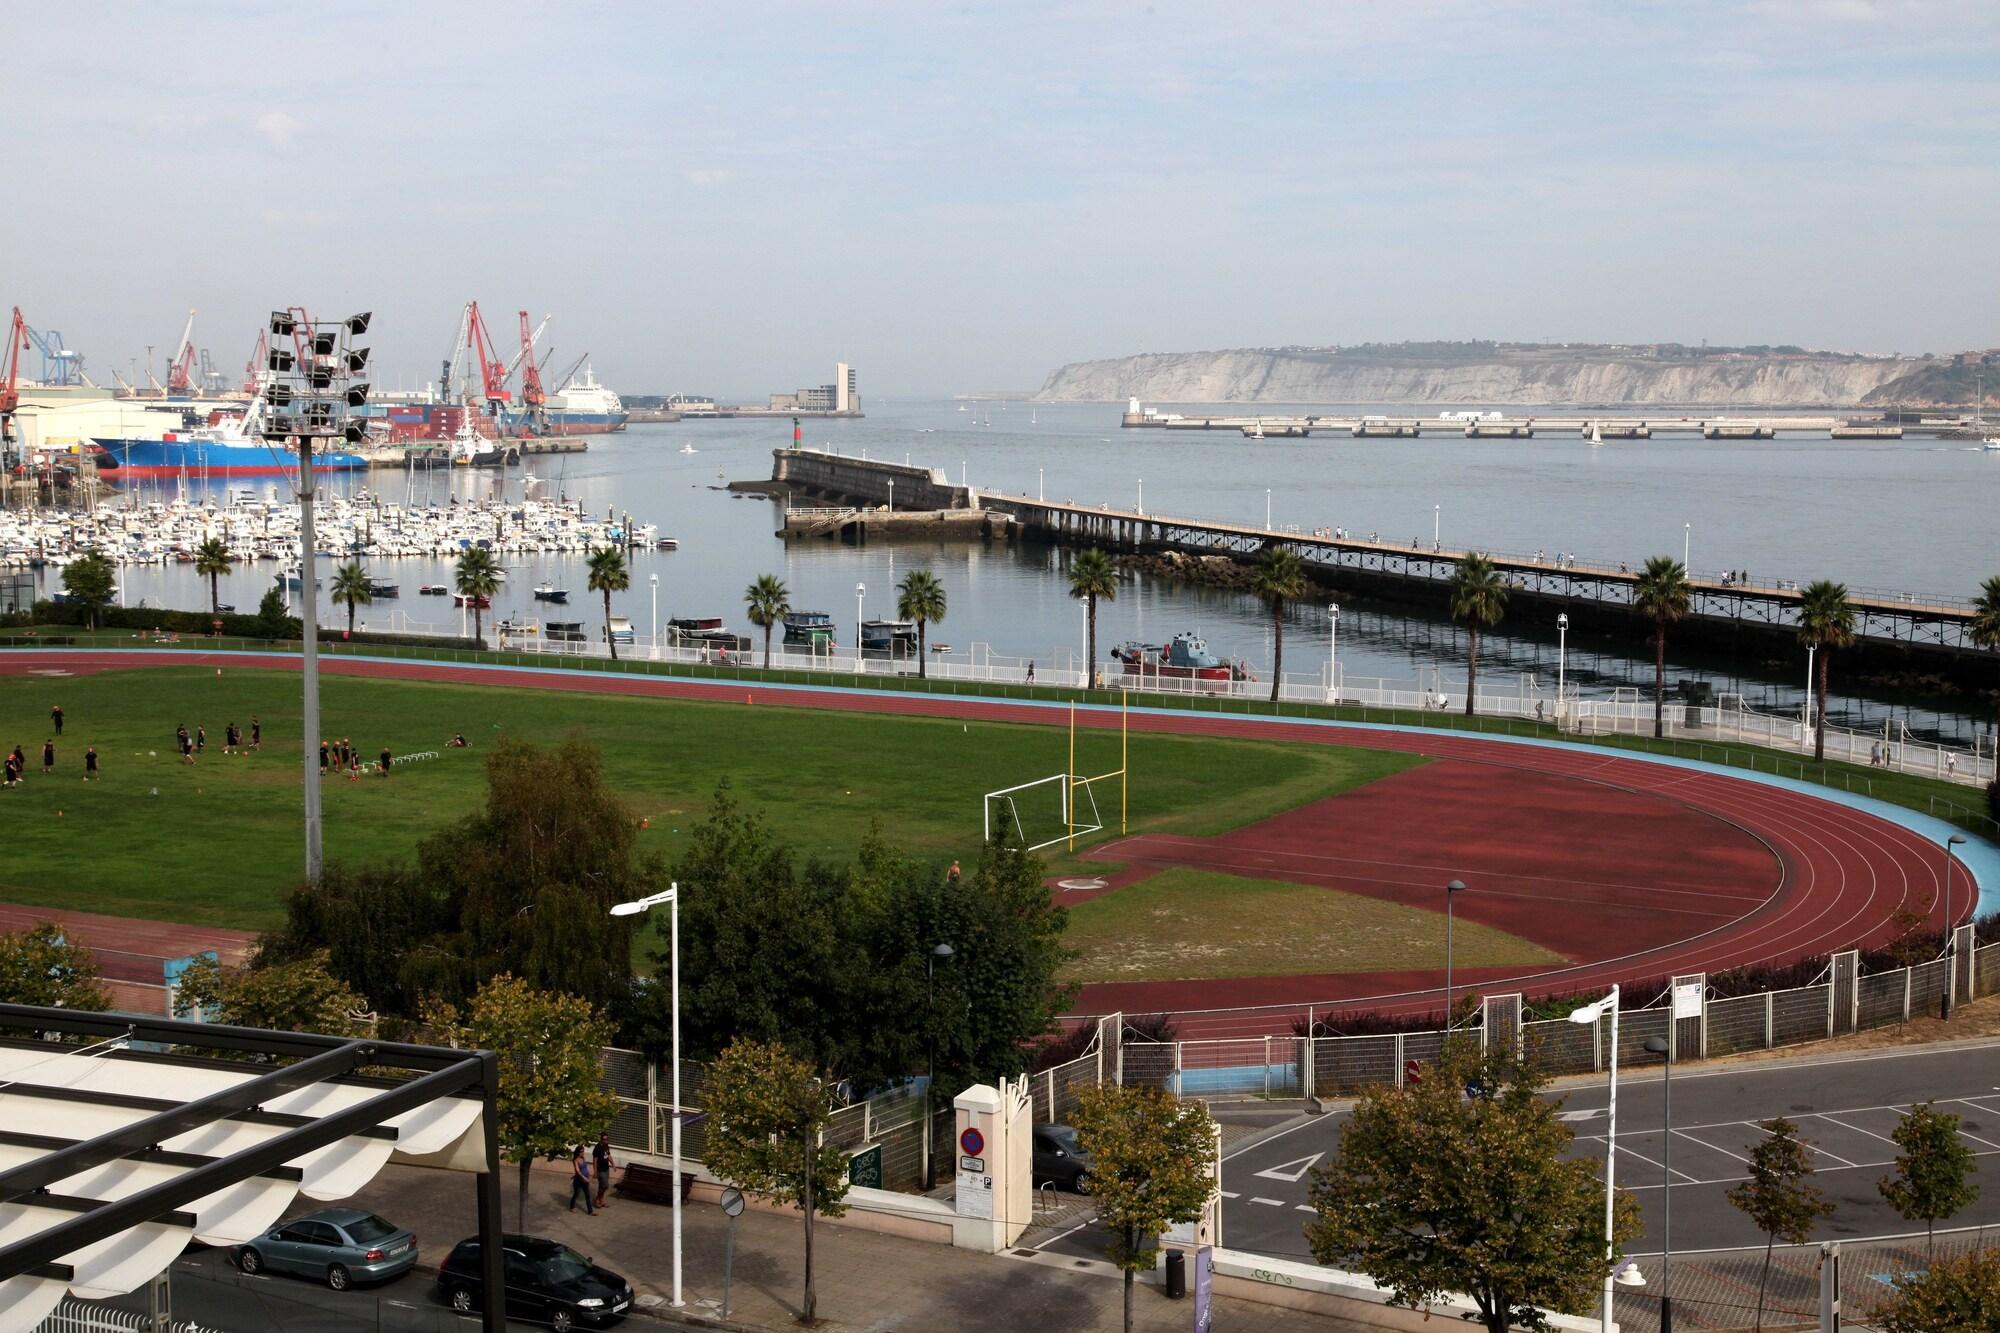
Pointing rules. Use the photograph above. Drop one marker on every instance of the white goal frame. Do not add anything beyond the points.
(1012, 813)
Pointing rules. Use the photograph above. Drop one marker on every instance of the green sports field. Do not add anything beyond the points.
(219, 842)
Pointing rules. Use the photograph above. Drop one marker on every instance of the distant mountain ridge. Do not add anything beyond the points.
(1518, 373)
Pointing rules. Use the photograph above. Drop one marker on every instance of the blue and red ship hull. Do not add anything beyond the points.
(173, 455)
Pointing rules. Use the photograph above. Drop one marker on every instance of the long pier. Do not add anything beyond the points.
(1758, 602)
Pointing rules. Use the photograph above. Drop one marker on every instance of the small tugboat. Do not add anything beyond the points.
(810, 627)
(549, 592)
(897, 637)
(1185, 658)
(699, 631)
(382, 590)
(432, 590)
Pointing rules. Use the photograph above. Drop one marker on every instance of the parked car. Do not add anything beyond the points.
(1059, 1160)
(339, 1246)
(546, 1281)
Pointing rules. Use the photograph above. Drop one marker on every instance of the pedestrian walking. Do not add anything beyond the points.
(323, 753)
(48, 758)
(601, 1164)
(385, 761)
(90, 763)
(229, 738)
(1031, 673)
(579, 1181)
(256, 733)
(55, 718)
(200, 738)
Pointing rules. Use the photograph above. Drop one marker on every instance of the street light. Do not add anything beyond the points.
(1950, 936)
(672, 897)
(1588, 1016)
(655, 579)
(941, 953)
(1660, 1046)
(1562, 664)
(860, 589)
(1437, 524)
(1806, 738)
(1038, 485)
(1333, 652)
(1142, 495)
(1955, 840)
(1267, 509)
(1456, 886)
(1687, 542)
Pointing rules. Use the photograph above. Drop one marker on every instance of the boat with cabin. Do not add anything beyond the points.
(1184, 657)
(810, 627)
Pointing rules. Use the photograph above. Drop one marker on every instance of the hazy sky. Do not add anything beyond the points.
(728, 198)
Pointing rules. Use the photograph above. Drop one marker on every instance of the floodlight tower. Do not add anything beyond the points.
(309, 393)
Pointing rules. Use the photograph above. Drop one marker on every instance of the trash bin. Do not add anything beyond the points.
(1176, 1275)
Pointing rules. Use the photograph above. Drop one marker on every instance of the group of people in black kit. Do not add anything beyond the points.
(343, 756)
(15, 767)
(188, 747)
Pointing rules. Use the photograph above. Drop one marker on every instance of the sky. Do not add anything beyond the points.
(728, 198)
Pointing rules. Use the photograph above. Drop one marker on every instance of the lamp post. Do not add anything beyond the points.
(860, 590)
(1038, 485)
(1452, 889)
(1142, 495)
(1437, 524)
(1562, 666)
(1687, 543)
(654, 579)
(1950, 936)
(672, 897)
(1267, 509)
(939, 953)
(1660, 1046)
(1806, 737)
(1333, 652)
(892, 495)
(1588, 1016)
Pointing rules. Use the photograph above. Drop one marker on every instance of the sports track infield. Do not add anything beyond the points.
(1595, 846)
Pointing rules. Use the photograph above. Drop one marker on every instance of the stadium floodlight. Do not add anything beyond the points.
(277, 395)
(1587, 1015)
(358, 324)
(357, 360)
(320, 379)
(282, 324)
(357, 395)
(280, 361)
(354, 432)
(324, 342)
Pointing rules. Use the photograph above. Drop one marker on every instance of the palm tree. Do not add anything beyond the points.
(768, 601)
(211, 561)
(1826, 622)
(920, 597)
(1986, 615)
(1091, 576)
(351, 584)
(1661, 595)
(1280, 578)
(608, 575)
(1479, 599)
(477, 577)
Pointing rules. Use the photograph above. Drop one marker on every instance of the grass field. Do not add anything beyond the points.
(1184, 924)
(219, 842)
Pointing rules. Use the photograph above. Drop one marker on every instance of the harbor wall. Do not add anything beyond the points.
(866, 481)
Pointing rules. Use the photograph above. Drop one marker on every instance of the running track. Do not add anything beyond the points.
(1845, 872)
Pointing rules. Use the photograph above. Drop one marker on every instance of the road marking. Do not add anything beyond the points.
(1706, 1144)
(1967, 1101)
(1283, 1170)
(1071, 1232)
(1574, 1116)
(1272, 1203)
(1231, 1194)
(1304, 1207)
(1633, 1152)
(1305, 1123)
(1856, 1128)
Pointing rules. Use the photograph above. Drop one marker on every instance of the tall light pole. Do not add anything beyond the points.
(1333, 652)
(672, 897)
(1660, 1046)
(1806, 738)
(1588, 1016)
(655, 580)
(1687, 544)
(892, 495)
(1451, 890)
(939, 953)
(860, 589)
(1142, 495)
(1950, 936)
(1038, 484)
(1437, 524)
(1955, 840)
(1562, 666)
(1267, 509)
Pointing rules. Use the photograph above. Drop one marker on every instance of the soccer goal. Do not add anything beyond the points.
(1035, 814)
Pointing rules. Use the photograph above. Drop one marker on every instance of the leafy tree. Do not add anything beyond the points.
(1826, 622)
(385, 930)
(1662, 595)
(274, 619)
(88, 579)
(1092, 576)
(1986, 620)
(768, 601)
(211, 561)
(1478, 600)
(297, 996)
(476, 576)
(920, 597)
(1957, 1293)
(1779, 1197)
(529, 880)
(1434, 1191)
(1936, 1174)
(1149, 1156)
(42, 965)
(1280, 578)
(608, 574)
(767, 1117)
(548, 1046)
(352, 585)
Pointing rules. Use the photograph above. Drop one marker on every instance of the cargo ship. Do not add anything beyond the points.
(1186, 657)
(581, 407)
(220, 449)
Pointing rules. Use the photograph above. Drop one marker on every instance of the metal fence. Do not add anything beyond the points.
(75, 1316)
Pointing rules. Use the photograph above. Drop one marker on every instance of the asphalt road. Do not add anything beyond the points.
(1845, 1107)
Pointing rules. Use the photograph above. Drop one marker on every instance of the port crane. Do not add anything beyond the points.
(60, 366)
(534, 402)
(10, 395)
(255, 365)
(492, 370)
(180, 370)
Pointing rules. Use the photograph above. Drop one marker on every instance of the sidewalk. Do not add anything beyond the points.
(866, 1281)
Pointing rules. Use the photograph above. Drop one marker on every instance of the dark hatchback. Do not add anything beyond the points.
(1060, 1160)
(546, 1281)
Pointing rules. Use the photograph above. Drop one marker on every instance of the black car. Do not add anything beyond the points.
(546, 1281)
(1059, 1161)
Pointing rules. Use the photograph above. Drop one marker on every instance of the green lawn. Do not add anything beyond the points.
(1184, 924)
(220, 842)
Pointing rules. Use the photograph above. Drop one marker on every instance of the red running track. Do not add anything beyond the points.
(1842, 873)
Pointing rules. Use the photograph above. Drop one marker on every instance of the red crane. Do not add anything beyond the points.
(532, 397)
(180, 371)
(10, 397)
(256, 362)
(492, 370)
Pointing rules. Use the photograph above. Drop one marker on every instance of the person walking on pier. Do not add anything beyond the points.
(1031, 673)
(55, 718)
(579, 1181)
(600, 1166)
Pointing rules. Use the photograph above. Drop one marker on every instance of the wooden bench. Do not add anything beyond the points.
(652, 1184)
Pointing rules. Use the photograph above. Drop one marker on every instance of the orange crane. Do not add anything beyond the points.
(10, 396)
(533, 400)
(256, 362)
(180, 371)
(492, 370)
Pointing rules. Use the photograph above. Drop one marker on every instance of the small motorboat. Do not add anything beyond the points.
(432, 590)
(689, 449)
(667, 544)
(549, 592)
(383, 591)
(481, 603)
(940, 647)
